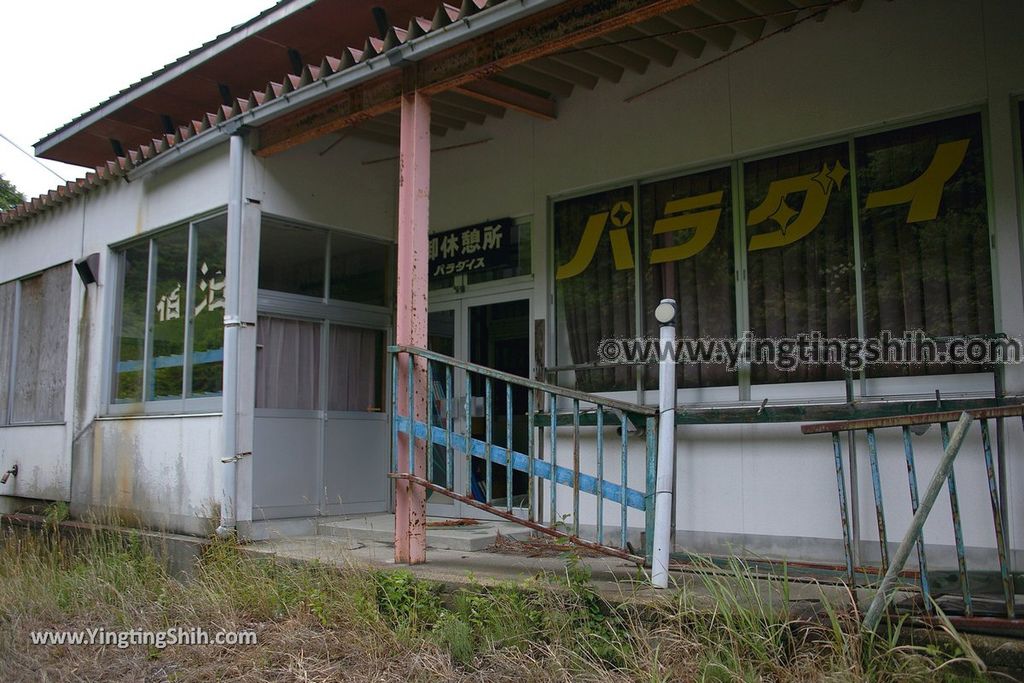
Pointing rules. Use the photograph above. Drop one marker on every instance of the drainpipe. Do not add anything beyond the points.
(666, 315)
(229, 454)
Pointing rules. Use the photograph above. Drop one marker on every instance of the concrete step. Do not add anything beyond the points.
(380, 528)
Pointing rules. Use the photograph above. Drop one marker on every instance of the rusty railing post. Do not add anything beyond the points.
(878, 603)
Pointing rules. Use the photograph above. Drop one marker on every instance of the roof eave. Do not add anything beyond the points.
(176, 69)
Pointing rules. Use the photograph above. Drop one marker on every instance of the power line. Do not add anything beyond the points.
(18, 147)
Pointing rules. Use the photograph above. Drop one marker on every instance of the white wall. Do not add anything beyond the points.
(892, 62)
(156, 471)
(889, 63)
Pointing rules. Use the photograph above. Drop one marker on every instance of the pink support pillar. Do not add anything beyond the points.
(411, 327)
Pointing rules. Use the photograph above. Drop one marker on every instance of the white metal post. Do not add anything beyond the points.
(666, 315)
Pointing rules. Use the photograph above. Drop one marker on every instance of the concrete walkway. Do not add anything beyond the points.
(458, 556)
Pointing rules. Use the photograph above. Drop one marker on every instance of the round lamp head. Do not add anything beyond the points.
(665, 312)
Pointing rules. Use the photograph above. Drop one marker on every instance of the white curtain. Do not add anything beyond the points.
(355, 369)
(287, 364)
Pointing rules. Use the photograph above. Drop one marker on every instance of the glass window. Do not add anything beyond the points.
(357, 369)
(287, 364)
(177, 353)
(924, 227)
(209, 266)
(292, 259)
(800, 261)
(484, 252)
(167, 359)
(518, 236)
(359, 270)
(594, 281)
(40, 366)
(687, 255)
(131, 344)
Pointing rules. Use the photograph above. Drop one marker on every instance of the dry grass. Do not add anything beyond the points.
(315, 623)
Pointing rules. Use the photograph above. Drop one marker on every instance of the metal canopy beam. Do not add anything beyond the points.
(510, 98)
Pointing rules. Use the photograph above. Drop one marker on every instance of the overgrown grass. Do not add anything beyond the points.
(317, 623)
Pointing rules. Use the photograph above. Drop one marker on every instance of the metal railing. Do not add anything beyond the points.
(505, 471)
(921, 507)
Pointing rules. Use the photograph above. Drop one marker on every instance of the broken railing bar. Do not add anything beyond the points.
(922, 563)
(876, 488)
(997, 518)
(874, 614)
(979, 413)
(844, 513)
(524, 381)
(958, 532)
(541, 469)
(614, 552)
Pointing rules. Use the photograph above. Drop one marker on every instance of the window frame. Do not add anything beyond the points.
(204, 405)
(744, 389)
(7, 418)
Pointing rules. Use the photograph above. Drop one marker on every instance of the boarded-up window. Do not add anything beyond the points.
(41, 345)
(7, 294)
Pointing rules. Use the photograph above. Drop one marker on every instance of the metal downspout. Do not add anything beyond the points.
(229, 454)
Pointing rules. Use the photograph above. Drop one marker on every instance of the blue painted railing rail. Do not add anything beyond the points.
(525, 406)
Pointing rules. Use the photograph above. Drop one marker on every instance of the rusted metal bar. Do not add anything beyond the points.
(531, 450)
(908, 452)
(553, 400)
(624, 467)
(600, 474)
(489, 439)
(997, 519)
(958, 532)
(394, 412)
(508, 446)
(576, 466)
(614, 552)
(844, 513)
(651, 485)
(874, 614)
(468, 430)
(449, 454)
(524, 381)
(910, 420)
(430, 417)
(876, 487)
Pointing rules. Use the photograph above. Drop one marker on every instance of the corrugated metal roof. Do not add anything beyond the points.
(444, 15)
(659, 39)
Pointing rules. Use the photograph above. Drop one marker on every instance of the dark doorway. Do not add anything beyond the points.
(499, 338)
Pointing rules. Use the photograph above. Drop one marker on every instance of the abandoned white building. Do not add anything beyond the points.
(220, 354)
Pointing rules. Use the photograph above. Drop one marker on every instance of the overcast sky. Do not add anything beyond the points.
(60, 58)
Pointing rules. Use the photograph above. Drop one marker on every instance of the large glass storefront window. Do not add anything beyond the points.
(924, 223)
(595, 283)
(686, 251)
(924, 254)
(800, 269)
